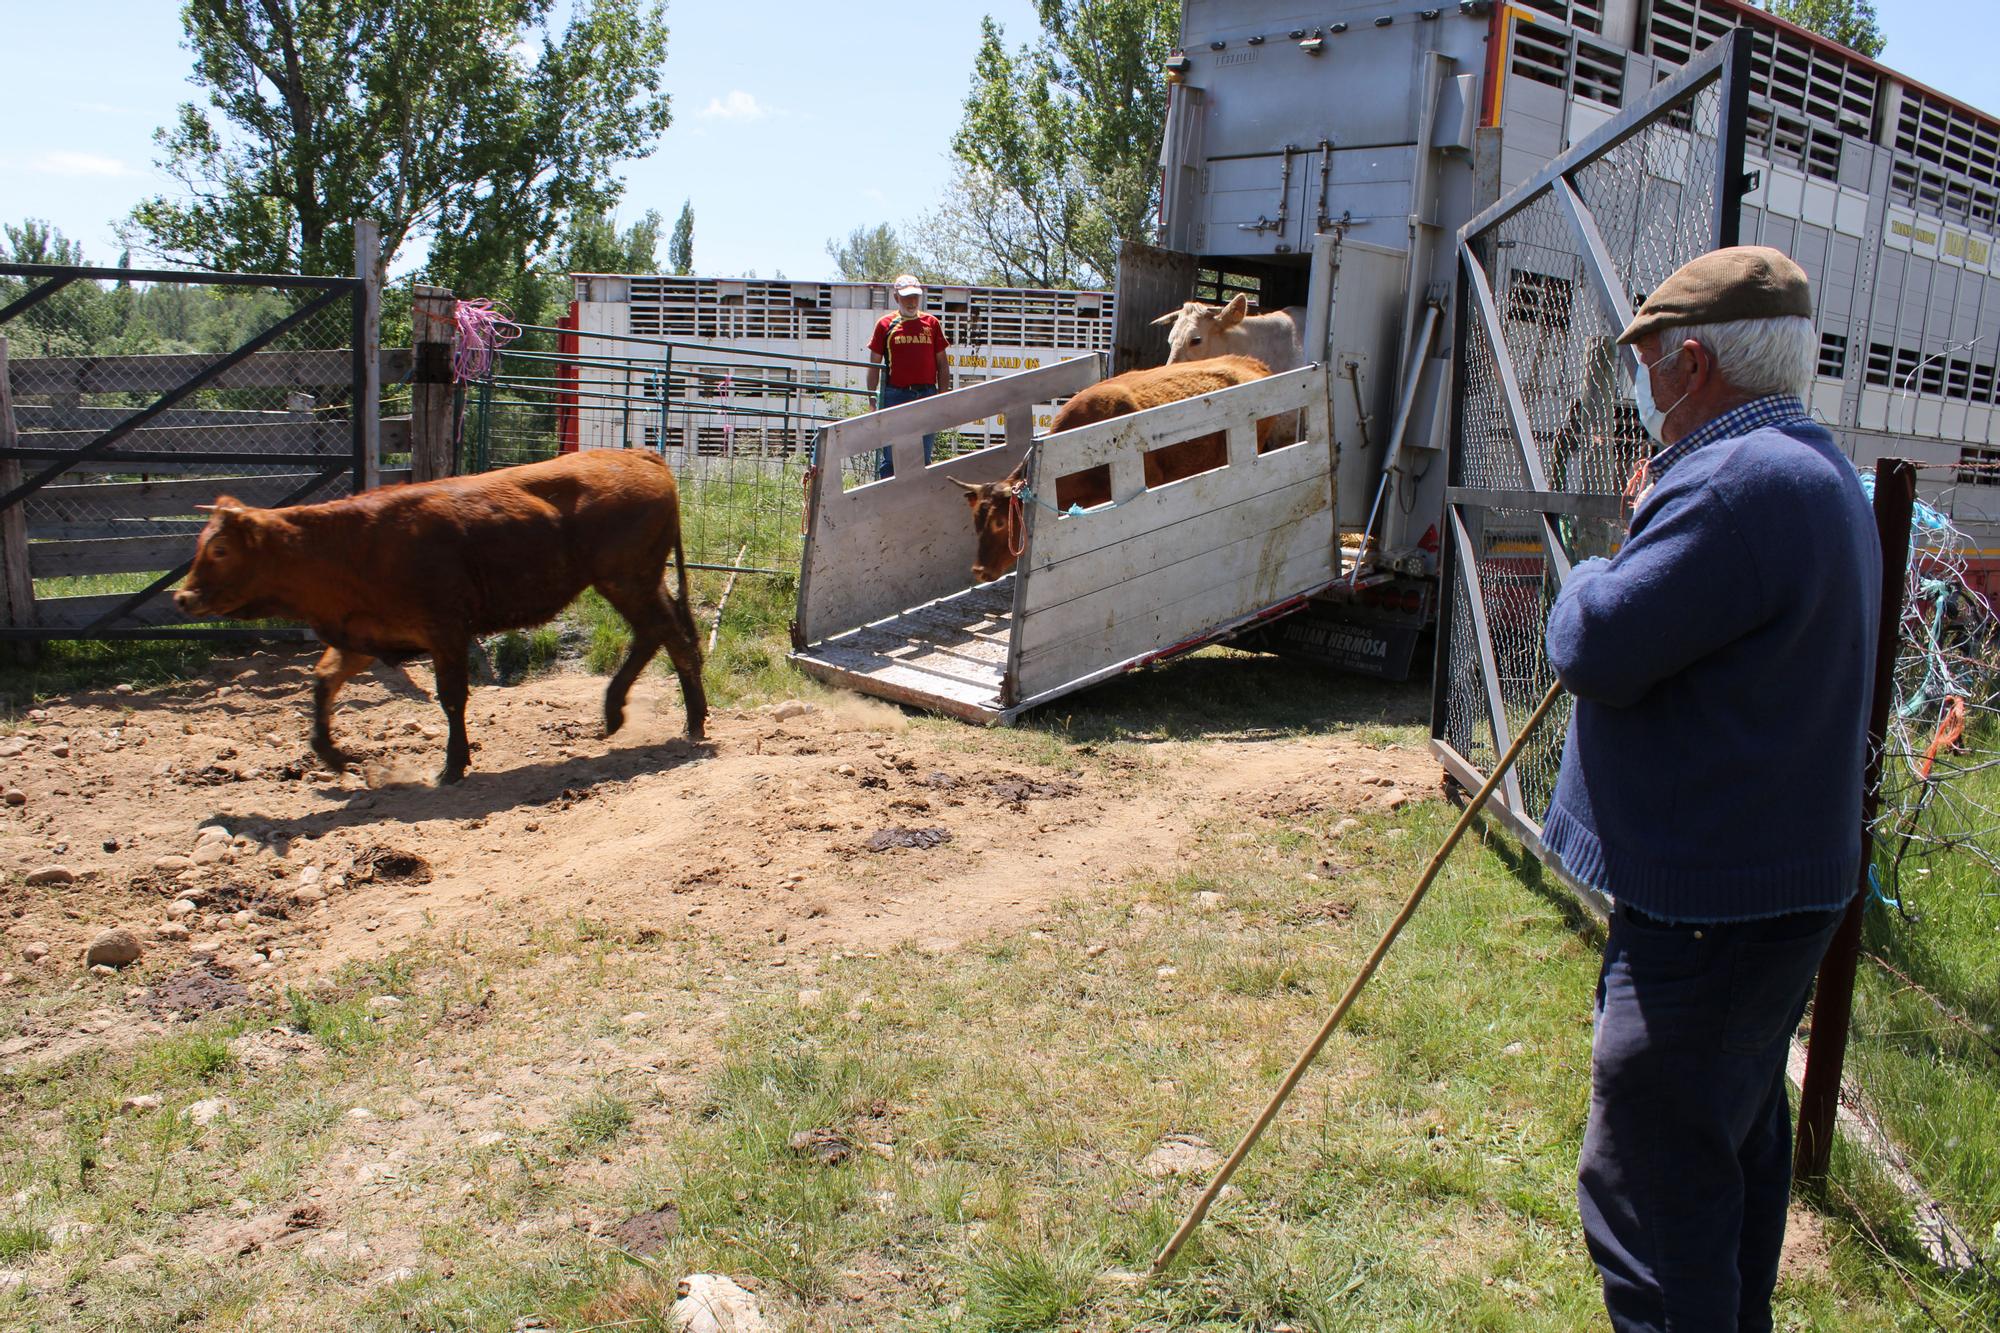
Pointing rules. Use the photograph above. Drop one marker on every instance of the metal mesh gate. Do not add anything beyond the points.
(1547, 433)
(132, 397)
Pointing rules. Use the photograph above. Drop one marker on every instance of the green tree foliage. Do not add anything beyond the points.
(1058, 144)
(680, 248)
(872, 254)
(593, 244)
(473, 123)
(1849, 22)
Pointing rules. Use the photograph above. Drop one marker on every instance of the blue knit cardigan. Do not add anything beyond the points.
(1722, 665)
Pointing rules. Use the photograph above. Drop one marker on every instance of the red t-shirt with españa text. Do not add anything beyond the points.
(910, 346)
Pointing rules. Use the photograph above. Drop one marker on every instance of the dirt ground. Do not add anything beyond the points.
(796, 828)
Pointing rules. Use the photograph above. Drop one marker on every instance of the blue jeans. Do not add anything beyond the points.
(891, 396)
(1687, 1160)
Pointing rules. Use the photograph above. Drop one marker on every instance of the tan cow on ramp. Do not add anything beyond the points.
(998, 524)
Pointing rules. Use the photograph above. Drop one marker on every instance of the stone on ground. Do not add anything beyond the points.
(114, 948)
(712, 1303)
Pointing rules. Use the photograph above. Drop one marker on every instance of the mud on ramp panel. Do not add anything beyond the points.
(949, 655)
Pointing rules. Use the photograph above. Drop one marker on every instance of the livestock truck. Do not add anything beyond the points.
(1328, 156)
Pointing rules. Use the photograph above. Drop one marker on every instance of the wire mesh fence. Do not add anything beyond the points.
(1924, 1047)
(1653, 200)
(137, 396)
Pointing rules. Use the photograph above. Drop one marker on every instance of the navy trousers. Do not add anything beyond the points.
(891, 396)
(1687, 1160)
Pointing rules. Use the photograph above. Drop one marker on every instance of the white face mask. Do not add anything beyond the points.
(1651, 416)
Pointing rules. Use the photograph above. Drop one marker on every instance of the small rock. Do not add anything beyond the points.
(242, 918)
(1166, 973)
(791, 708)
(103, 970)
(1181, 1155)
(51, 875)
(826, 1146)
(34, 951)
(811, 998)
(13, 747)
(111, 844)
(1208, 900)
(60, 749)
(121, 688)
(170, 931)
(1096, 951)
(633, 1019)
(712, 1303)
(384, 1004)
(180, 907)
(1345, 827)
(845, 770)
(145, 1101)
(309, 876)
(14, 796)
(211, 833)
(205, 1110)
(306, 895)
(173, 865)
(1514, 1048)
(212, 853)
(116, 947)
(360, 1113)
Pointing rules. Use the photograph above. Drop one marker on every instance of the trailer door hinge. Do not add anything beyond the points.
(1752, 180)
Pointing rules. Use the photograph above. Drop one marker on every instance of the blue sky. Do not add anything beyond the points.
(794, 120)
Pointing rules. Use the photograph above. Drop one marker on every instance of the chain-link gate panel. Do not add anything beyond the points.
(135, 398)
(1547, 436)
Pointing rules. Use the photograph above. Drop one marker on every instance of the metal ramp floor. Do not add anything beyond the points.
(949, 655)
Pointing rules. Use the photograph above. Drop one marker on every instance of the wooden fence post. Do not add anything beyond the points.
(1833, 996)
(368, 346)
(17, 583)
(432, 329)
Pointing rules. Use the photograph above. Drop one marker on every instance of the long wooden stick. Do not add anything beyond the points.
(1311, 1052)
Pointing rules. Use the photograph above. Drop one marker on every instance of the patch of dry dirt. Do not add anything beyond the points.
(771, 833)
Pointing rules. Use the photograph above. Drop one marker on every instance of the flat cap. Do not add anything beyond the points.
(1741, 282)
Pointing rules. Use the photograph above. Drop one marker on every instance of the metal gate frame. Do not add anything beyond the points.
(1553, 510)
(16, 449)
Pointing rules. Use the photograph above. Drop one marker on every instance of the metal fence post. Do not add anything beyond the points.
(17, 583)
(367, 351)
(1833, 997)
(431, 328)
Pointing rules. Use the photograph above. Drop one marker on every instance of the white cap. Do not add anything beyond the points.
(905, 285)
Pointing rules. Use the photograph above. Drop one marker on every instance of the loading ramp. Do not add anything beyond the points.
(887, 605)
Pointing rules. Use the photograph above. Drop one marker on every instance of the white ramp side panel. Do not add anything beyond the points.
(1171, 566)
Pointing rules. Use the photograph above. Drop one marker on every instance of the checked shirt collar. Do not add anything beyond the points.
(1771, 410)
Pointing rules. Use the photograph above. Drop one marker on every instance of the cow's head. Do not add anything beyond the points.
(1200, 329)
(998, 525)
(226, 575)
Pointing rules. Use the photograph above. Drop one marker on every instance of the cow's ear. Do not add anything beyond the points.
(1233, 313)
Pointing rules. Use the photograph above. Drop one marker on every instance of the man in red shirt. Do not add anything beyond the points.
(913, 345)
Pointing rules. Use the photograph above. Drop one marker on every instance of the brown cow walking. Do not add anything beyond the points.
(996, 505)
(413, 570)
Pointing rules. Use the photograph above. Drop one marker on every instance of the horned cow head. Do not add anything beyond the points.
(1198, 328)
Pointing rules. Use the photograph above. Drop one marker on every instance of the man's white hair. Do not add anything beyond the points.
(1757, 356)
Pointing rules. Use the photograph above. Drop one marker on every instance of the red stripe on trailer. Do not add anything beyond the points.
(566, 345)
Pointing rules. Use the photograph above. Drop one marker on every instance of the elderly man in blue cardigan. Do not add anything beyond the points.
(1711, 786)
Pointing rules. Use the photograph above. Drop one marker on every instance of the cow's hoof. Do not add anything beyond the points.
(614, 718)
(451, 776)
(331, 755)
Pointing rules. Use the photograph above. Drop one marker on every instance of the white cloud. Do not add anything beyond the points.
(735, 105)
(77, 164)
